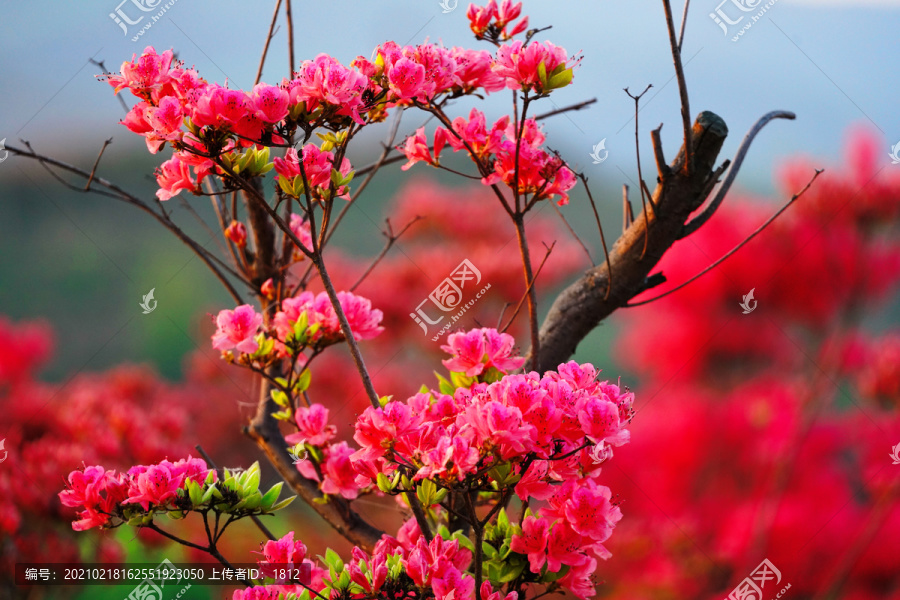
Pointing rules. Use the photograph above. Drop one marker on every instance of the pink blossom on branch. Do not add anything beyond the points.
(173, 176)
(237, 329)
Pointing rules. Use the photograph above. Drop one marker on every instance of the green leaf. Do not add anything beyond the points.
(542, 74)
(280, 398)
(284, 503)
(460, 380)
(302, 383)
(560, 80)
(271, 496)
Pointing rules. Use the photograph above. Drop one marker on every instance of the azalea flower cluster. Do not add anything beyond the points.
(109, 498)
(307, 319)
(105, 494)
(495, 22)
(219, 131)
(514, 158)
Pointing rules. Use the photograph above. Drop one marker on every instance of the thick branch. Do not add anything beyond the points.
(263, 429)
(581, 306)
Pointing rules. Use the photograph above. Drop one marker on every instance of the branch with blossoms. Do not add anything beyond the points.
(496, 465)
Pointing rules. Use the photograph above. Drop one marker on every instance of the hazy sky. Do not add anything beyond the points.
(832, 62)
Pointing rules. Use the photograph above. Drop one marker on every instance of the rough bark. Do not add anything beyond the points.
(581, 306)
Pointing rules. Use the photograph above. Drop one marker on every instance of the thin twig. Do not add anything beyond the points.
(262, 60)
(662, 167)
(575, 235)
(627, 210)
(637, 148)
(371, 171)
(212, 465)
(391, 239)
(512, 317)
(565, 109)
(164, 220)
(735, 249)
(587, 188)
(684, 16)
(106, 143)
(290, 34)
(682, 90)
(120, 97)
(698, 221)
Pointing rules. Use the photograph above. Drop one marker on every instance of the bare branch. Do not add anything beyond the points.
(565, 109)
(637, 147)
(512, 317)
(662, 167)
(290, 34)
(392, 239)
(682, 88)
(698, 221)
(587, 188)
(574, 234)
(684, 16)
(164, 220)
(106, 143)
(262, 60)
(733, 250)
(590, 299)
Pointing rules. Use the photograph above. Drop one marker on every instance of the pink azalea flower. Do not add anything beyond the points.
(578, 579)
(191, 469)
(406, 79)
(284, 553)
(533, 542)
(480, 17)
(313, 426)
(317, 164)
(339, 476)
(98, 491)
(166, 118)
(474, 71)
(518, 64)
(474, 133)
(269, 102)
(477, 350)
(501, 426)
(533, 483)
(141, 75)
(589, 511)
(326, 81)
(173, 176)
(237, 329)
(258, 592)
(136, 119)
(416, 147)
(564, 547)
(156, 485)
(219, 107)
(599, 419)
(365, 322)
